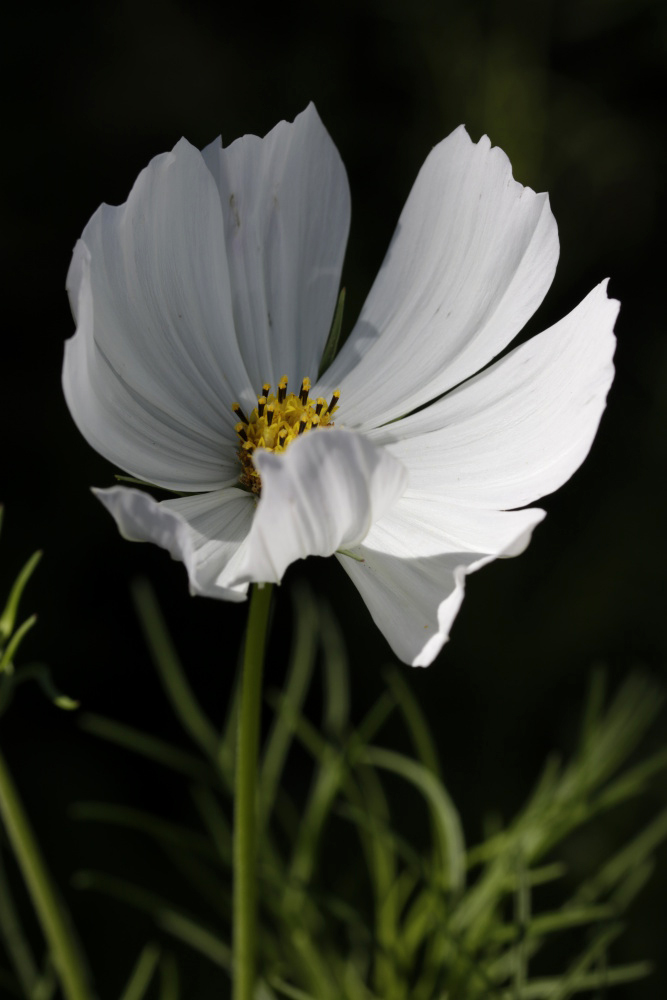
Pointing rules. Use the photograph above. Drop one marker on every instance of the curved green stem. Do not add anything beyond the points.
(245, 802)
(62, 945)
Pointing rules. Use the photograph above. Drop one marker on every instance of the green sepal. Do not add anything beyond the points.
(331, 348)
(352, 555)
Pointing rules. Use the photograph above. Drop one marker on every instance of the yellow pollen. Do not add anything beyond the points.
(276, 421)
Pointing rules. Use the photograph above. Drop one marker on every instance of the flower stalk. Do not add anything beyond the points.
(245, 802)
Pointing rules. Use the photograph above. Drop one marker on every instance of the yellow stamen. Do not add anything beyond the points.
(305, 389)
(277, 420)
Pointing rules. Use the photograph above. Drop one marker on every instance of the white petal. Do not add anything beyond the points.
(522, 427)
(153, 368)
(472, 257)
(321, 494)
(286, 210)
(425, 526)
(205, 532)
(415, 560)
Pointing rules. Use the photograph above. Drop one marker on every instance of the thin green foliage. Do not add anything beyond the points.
(450, 866)
(170, 984)
(396, 923)
(142, 974)
(8, 616)
(64, 948)
(173, 758)
(333, 340)
(15, 939)
(170, 671)
(302, 664)
(163, 832)
(227, 744)
(168, 916)
(40, 673)
(213, 816)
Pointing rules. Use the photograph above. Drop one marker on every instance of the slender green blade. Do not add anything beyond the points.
(166, 915)
(170, 671)
(7, 657)
(552, 923)
(446, 818)
(170, 986)
(215, 821)
(49, 907)
(227, 746)
(148, 746)
(302, 662)
(142, 974)
(545, 989)
(331, 348)
(8, 617)
(40, 673)
(158, 829)
(15, 940)
(291, 992)
(571, 982)
(415, 719)
(336, 676)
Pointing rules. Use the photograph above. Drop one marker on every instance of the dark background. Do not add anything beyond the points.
(573, 92)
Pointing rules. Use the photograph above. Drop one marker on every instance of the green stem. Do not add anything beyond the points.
(245, 802)
(63, 948)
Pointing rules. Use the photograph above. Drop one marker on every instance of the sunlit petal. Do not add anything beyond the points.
(286, 214)
(473, 255)
(522, 427)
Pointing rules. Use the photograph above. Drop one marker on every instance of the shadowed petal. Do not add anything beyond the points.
(205, 532)
(415, 560)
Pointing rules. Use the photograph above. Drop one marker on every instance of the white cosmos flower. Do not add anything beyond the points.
(221, 273)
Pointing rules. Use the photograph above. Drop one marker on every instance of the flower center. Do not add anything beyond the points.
(276, 421)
